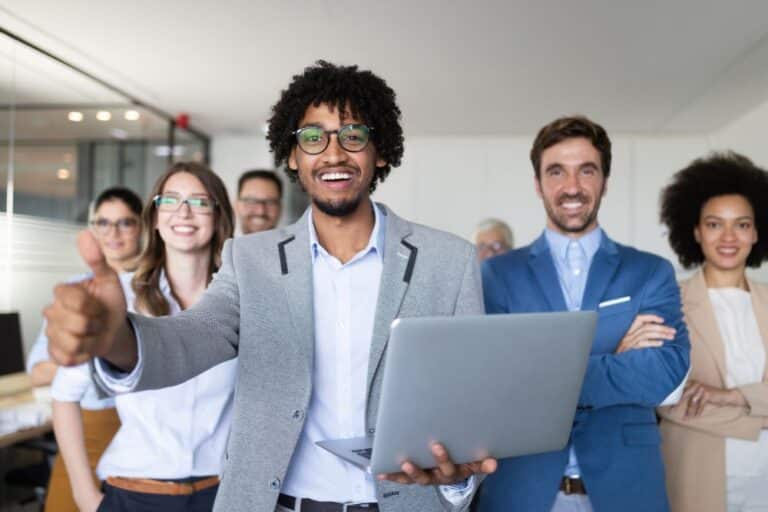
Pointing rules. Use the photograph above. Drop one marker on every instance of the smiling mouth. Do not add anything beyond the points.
(336, 176)
(727, 251)
(183, 230)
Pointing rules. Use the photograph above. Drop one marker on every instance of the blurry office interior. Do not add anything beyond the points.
(94, 94)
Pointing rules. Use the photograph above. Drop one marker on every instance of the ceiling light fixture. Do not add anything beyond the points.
(103, 115)
(63, 174)
(132, 115)
(75, 117)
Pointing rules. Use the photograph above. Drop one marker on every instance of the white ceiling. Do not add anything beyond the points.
(459, 68)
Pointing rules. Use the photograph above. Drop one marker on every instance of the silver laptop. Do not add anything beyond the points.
(484, 386)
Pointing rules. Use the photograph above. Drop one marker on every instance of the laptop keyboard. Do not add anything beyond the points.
(363, 452)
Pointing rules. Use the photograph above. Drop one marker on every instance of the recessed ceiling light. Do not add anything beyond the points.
(118, 133)
(103, 115)
(63, 174)
(75, 117)
(132, 115)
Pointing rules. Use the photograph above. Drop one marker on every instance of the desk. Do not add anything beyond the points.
(24, 413)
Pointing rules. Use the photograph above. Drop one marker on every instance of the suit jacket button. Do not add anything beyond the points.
(274, 484)
(371, 431)
(298, 414)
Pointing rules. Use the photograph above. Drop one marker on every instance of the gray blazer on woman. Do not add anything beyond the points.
(259, 308)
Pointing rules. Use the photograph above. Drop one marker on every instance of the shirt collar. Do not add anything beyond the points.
(558, 243)
(375, 243)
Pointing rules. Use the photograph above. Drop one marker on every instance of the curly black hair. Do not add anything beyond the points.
(367, 97)
(716, 175)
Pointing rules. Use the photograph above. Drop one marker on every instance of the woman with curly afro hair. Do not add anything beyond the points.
(716, 439)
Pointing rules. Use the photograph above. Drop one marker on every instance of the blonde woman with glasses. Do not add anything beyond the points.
(115, 222)
(167, 454)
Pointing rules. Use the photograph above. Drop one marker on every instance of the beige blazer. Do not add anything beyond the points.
(694, 449)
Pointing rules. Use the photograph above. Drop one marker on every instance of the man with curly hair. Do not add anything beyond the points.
(640, 353)
(306, 309)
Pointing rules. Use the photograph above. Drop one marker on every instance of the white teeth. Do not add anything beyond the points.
(333, 176)
(183, 229)
(572, 205)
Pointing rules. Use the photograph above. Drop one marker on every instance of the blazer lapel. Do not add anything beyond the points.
(296, 273)
(759, 295)
(601, 272)
(700, 318)
(399, 259)
(543, 268)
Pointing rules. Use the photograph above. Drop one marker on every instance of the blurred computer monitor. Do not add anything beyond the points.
(11, 346)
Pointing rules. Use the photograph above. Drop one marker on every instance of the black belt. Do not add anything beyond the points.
(308, 505)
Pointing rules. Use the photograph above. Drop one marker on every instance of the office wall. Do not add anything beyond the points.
(35, 254)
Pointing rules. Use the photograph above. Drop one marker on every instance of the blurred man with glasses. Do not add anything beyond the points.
(306, 309)
(259, 196)
(493, 237)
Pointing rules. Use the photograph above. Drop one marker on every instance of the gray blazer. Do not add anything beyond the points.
(259, 308)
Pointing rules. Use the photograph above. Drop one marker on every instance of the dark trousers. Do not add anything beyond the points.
(120, 500)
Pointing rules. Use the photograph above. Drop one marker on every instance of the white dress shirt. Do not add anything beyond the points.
(344, 299)
(169, 433)
(745, 364)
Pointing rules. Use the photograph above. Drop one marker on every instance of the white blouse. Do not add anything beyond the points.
(745, 364)
(169, 433)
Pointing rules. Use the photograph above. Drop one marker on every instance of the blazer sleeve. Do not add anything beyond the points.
(176, 348)
(470, 298)
(723, 421)
(757, 398)
(646, 376)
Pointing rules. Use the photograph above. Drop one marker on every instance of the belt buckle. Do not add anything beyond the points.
(345, 507)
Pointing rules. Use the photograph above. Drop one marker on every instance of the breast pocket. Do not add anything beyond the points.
(607, 309)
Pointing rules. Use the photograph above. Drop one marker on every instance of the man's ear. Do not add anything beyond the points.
(537, 184)
(292, 164)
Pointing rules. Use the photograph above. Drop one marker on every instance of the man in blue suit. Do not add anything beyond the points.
(640, 354)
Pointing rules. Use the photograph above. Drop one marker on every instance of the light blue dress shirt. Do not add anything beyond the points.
(572, 284)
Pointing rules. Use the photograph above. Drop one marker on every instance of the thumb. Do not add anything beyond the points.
(92, 255)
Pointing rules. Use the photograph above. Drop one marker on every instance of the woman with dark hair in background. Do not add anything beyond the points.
(715, 440)
(167, 454)
(115, 221)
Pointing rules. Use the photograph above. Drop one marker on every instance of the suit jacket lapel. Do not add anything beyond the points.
(399, 260)
(601, 272)
(543, 268)
(296, 273)
(700, 318)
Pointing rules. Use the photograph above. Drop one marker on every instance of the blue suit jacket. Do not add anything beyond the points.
(614, 432)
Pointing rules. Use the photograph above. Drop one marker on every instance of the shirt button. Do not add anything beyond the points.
(274, 483)
(298, 414)
(371, 431)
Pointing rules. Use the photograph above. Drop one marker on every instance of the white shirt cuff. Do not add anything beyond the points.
(120, 382)
(457, 494)
(677, 394)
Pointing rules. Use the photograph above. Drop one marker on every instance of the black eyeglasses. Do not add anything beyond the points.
(255, 201)
(313, 140)
(103, 226)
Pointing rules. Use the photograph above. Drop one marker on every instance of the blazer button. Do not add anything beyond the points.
(274, 484)
(371, 431)
(298, 414)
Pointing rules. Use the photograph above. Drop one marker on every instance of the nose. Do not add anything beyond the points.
(259, 208)
(572, 183)
(334, 153)
(184, 210)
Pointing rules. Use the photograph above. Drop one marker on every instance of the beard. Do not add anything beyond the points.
(566, 224)
(337, 208)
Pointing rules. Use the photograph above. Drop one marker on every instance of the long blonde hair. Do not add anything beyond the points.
(146, 281)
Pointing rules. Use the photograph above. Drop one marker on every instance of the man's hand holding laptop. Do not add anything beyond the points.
(445, 471)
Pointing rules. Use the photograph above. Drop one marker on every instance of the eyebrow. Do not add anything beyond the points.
(743, 217)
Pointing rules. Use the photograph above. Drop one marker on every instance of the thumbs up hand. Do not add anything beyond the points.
(87, 318)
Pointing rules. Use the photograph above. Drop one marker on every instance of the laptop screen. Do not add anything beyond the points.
(11, 347)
